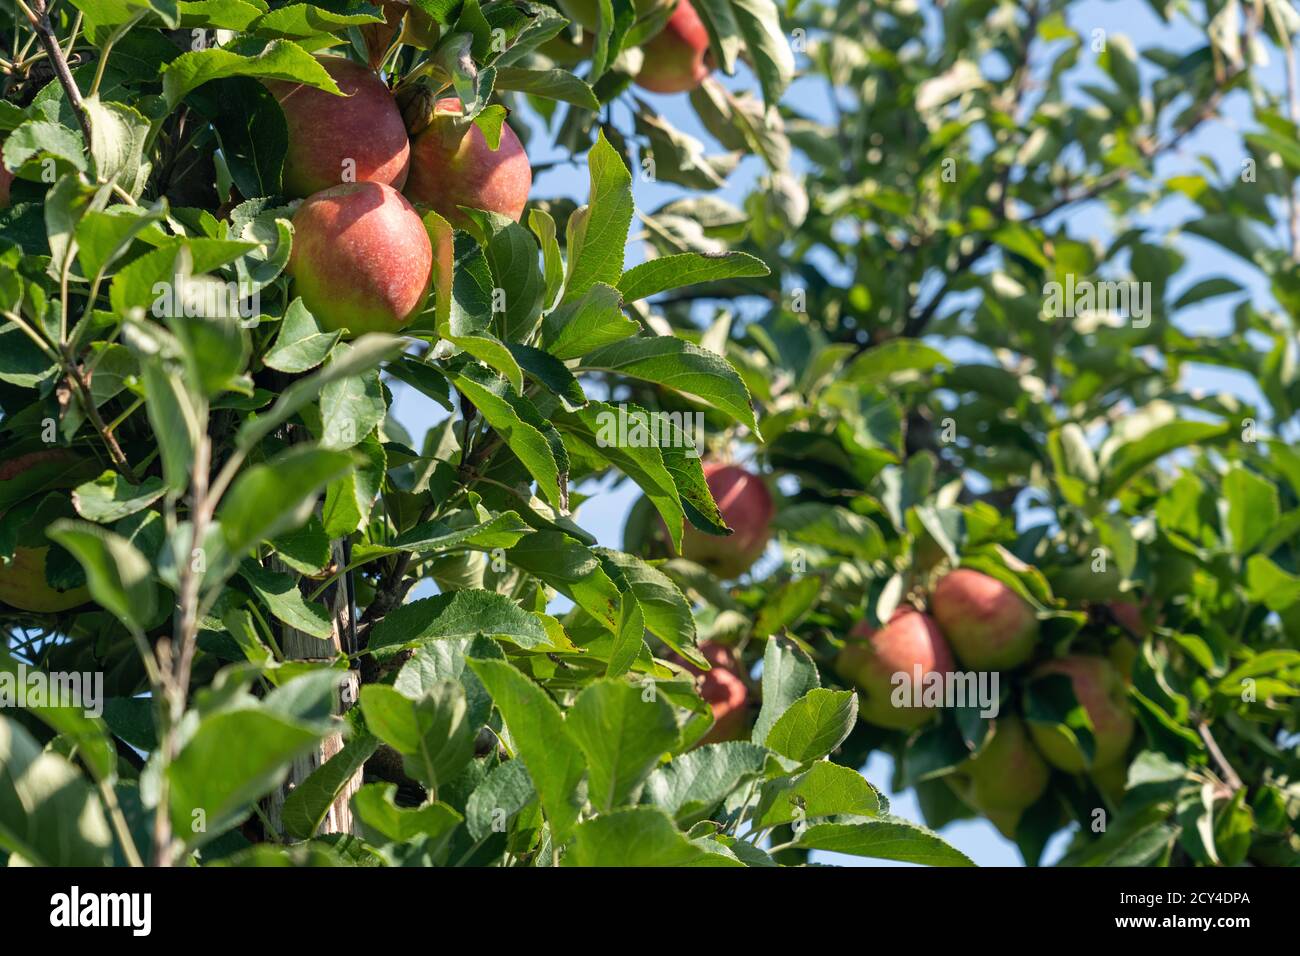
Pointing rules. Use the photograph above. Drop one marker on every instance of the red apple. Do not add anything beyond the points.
(22, 578)
(361, 258)
(447, 172)
(676, 58)
(357, 137)
(871, 659)
(989, 626)
(1006, 777)
(1102, 692)
(747, 508)
(724, 689)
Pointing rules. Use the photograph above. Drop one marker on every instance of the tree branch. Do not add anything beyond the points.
(38, 16)
(916, 325)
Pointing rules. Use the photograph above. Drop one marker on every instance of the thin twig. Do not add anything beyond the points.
(38, 16)
(77, 378)
(1225, 768)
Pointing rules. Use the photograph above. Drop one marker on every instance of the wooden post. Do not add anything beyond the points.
(299, 646)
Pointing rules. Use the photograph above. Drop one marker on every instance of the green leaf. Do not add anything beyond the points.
(688, 268)
(119, 577)
(623, 735)
(302, 20)
(824, 790)
(572, 569)
(278, 60)
(214, 349)
(555, 763)
(814, 725)
(833, 527)
(1076, 465)
(543, 227)
(1050, 701)
(234, 758)
(1253, 508)
(553, 84)
(667, 612)
(1269, 585)
(886, 839)
(306, 549)
(49, 815)
(364, 354)
(308, 803)
(517, 420)
(350, 409)
(551, 373)
(493, 353)
(111, 497)
(383, 820)
(218, 14)
(790, 602)
(597, 427)
(175, 420)
(1131, 457)
(268, 499)
(1208, 288)
(512, 256)
(90, 735)
(433, 733)
(505, 791)
(766, 44)
(693, 784)
(118, 138)
(349, 499)
(788, 674)
(447, 659)
(640, 836)
(629, 633)
(424, 378)
(679, 365)
(300, 345)
(598, 235)
(501, 531)
(38, 137)
(586, 323)
(882, 362)
(460, 614)
(279, 592)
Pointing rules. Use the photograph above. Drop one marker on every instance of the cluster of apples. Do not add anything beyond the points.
(362, 259)
(986, 626)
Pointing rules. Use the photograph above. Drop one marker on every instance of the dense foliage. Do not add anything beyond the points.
(204, 500)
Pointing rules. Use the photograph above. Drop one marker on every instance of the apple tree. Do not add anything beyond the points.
(878, 421)
(1005, 446)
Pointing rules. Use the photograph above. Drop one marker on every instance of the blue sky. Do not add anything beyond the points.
(604, 515)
